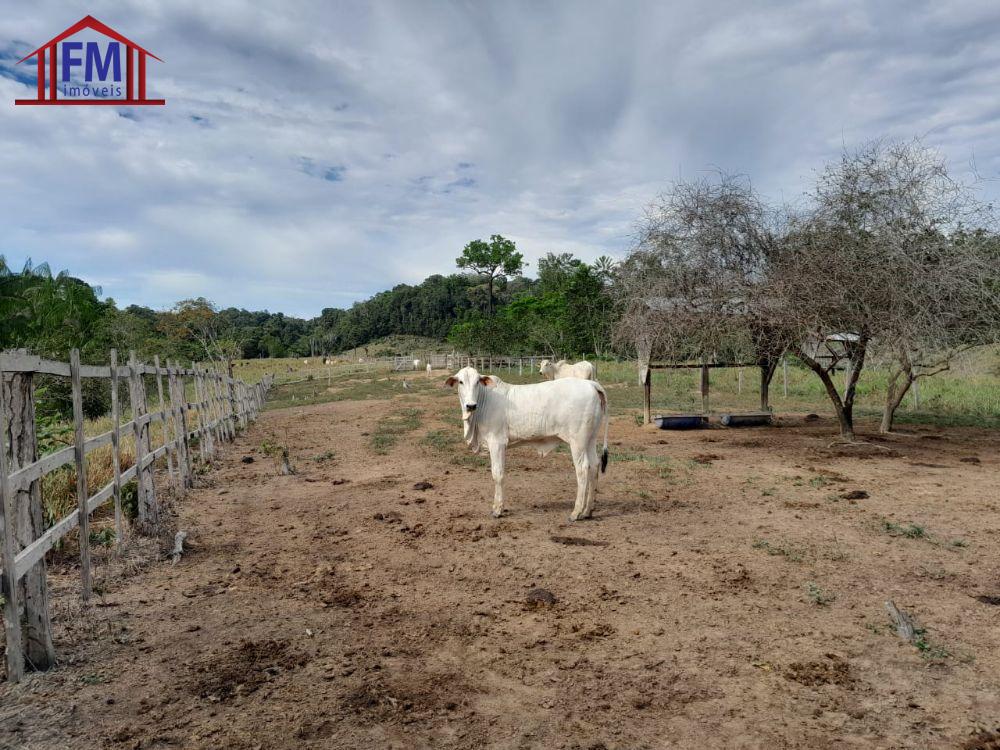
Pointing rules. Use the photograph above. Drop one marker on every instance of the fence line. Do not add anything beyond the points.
(222, 405)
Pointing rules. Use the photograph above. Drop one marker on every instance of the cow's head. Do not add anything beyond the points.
(545, 367)
(470, 384)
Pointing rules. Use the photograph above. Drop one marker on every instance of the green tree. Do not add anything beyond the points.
(494, 261)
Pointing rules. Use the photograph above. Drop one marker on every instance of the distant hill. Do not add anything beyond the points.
(396, 344)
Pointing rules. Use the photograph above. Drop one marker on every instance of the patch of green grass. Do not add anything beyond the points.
(792, 554)
(382, 442)
(103, 538)
(443, 440)
(479, 460)
(910, 531)
(927, 648)
(819, 597)
(389, 428)
(640, 457)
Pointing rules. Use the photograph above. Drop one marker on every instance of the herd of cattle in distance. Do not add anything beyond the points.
(569, 407)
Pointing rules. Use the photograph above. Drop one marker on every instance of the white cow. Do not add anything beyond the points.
(500, 415)
(563, 369)
(416, 364)
(429, 368)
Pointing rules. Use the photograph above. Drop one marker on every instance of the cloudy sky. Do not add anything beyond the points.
(312, 153)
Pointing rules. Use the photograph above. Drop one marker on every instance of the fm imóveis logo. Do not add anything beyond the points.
(100, 64)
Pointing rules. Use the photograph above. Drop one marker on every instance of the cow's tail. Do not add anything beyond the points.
(607, 418)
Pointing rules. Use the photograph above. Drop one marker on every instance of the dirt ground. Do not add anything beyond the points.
(729, 593)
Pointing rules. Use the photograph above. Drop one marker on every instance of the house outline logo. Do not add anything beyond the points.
(135, 72)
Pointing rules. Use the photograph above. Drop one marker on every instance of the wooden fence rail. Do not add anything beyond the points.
(222, 405)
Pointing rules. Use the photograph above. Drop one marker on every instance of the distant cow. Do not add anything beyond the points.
(500, 415)
(416, 364)
(563, 369)
(429, 368)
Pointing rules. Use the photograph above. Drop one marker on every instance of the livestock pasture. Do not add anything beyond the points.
(729, 592)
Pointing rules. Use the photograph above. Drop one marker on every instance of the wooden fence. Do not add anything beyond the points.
(222, 405)
(452, 362)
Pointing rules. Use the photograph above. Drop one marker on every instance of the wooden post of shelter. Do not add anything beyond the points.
(704, 388)
(80, 459)
(646, 377)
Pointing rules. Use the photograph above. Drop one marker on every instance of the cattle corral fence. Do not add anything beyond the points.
(483, 362)
(221, 406)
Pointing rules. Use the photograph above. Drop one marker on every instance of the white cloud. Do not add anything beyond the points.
(312, 154)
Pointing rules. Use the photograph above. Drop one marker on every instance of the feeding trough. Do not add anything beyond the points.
(681, 421)
(749, 419)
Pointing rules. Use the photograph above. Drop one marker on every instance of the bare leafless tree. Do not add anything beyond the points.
(881, 262)
(696, 286)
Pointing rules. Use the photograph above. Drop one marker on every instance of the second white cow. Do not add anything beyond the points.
(499, 415)
(563, 369)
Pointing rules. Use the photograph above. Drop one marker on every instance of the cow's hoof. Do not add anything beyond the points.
(496, 513)
(572, 518)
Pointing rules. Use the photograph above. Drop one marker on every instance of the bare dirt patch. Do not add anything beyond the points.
(370, 601)
(244, 669)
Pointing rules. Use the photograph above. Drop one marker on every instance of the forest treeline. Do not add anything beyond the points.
(566, 309)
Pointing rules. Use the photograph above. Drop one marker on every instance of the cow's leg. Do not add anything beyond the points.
(498, 457)
(594, 469)
(582, 464)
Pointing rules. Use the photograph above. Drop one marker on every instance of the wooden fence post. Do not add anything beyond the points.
(646, 375)
(205, 411)
(148, 508)
(233, 388)
(116, 421)
(226, 405)
(199, 412)
(29, 517)
(179, 424)
(704, 388)
(165, 424)
(80, 458)
(220, 406)
(11, 607)
(213, 406)
(221, 433)
(218, 430)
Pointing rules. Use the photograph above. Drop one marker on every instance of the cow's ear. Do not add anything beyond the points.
(487, 380)
(451, 381)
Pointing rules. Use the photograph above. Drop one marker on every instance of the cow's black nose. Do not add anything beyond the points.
(470, 407)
